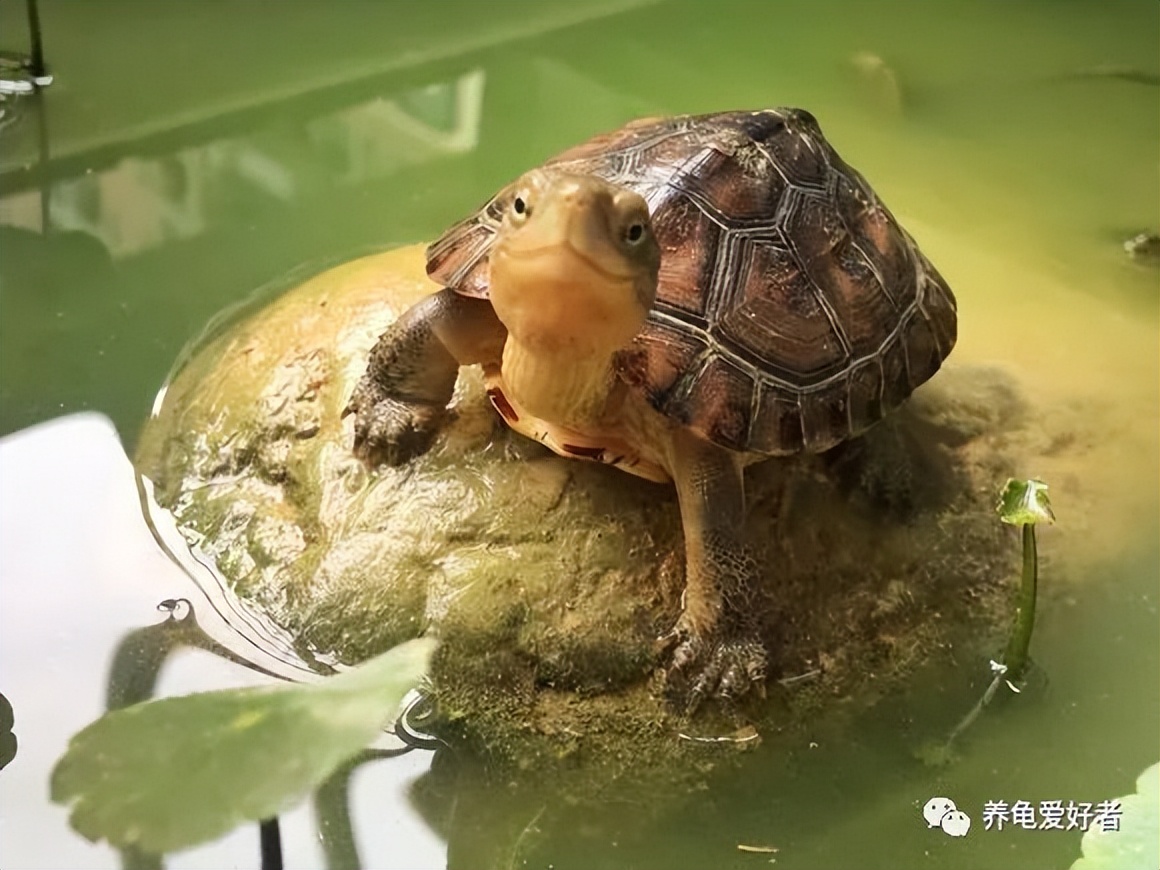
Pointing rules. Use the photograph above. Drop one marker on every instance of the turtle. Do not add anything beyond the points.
(679, 298)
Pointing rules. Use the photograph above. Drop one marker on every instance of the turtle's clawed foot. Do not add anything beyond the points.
(389, 430)
(726, 668)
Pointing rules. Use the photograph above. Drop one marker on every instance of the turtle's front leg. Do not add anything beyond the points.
(718, 635)
(401, 400)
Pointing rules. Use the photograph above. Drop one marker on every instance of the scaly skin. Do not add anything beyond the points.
(719, 651)
(402, 398)
(572, 276)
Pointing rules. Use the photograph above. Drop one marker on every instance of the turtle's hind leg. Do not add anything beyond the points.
(401, 400)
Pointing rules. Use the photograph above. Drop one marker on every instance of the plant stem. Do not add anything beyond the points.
(38, 69)
(971, 716)
(1016, 656)
(270, 836)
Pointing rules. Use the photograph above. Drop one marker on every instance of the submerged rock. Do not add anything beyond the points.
(548, 580)
(1144, 247)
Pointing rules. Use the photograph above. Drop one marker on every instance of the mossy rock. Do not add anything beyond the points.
(548, 580)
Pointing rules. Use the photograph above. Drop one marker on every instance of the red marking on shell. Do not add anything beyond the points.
(587, 452)
(501, 404)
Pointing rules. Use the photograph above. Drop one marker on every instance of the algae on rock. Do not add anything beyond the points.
(548, 580)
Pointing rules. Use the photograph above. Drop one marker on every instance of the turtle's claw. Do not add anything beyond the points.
(727, 669)
(687, 651)
(389, 430)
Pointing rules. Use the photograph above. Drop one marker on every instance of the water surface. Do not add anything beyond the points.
(192, 152)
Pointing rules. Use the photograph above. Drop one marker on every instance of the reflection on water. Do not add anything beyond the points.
(79, 635)
(1021, 176)
(228, 626)
(141, 203)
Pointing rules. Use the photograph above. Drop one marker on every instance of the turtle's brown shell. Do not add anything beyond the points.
(792, 310)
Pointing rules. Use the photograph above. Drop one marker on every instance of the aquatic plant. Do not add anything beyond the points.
(1022, 503)
(167, 774)
(8, 740)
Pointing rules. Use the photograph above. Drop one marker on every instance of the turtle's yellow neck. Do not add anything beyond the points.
(559, 386)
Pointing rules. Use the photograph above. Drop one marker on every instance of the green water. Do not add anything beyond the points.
(191, 152)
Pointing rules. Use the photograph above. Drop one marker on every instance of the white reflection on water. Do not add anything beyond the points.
(78, 570)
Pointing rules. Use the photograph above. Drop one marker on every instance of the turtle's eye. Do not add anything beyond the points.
(635, 233)
(520, 208)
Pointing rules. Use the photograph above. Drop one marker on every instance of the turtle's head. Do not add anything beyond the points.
(575, 263)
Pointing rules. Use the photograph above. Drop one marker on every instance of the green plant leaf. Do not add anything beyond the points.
(167, 774)
(1137, 842)
(7, 737)
(1025, 503)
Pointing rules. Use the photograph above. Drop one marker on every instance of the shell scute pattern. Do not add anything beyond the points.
(792, 310)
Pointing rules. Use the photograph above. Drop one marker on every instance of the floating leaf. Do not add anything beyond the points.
(167, 774)
(7, 737)
(1137, 842)
(1025, 502)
